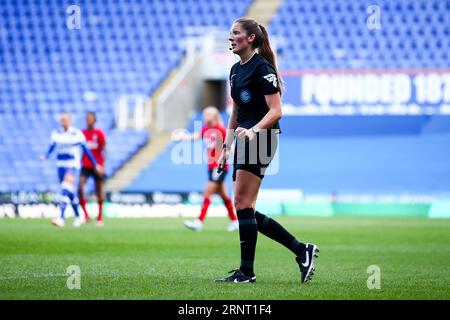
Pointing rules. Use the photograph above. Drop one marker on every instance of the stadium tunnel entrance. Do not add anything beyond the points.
(214, 94)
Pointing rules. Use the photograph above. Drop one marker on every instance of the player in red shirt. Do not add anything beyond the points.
(213, 134)
(96, 142)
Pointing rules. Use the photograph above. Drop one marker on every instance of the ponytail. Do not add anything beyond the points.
(266, 51)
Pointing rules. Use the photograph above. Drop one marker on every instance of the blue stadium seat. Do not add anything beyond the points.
(320, 26)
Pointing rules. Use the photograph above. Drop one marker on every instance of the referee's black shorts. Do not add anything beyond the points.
(255, 156)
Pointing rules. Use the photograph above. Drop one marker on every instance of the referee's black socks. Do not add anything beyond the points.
(275, 231)
(248, 233)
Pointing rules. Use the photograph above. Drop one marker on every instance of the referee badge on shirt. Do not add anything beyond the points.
(245, 95)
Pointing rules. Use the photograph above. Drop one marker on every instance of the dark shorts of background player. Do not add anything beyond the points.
(255, 156)
(88, 172)
(217, 177)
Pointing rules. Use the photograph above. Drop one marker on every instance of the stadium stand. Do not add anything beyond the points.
(122, 48)
(324, 34)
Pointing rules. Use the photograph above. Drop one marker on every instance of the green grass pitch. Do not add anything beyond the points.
(160, 259)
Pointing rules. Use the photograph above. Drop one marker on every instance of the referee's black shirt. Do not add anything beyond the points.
(249, 83)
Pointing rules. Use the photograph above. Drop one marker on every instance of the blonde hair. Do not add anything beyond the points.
(216, 113)
(65, 114)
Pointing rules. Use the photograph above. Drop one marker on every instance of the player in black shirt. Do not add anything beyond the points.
(256, 91)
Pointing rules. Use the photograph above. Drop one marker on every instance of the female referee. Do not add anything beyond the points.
(213, 134)
(256, 92)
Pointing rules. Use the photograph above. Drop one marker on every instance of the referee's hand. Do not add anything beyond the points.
(245, 134)
(223, 160)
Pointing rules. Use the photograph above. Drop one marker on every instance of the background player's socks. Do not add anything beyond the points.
(248, 233)
(74, 202)
(83, 206)
(78, 220)
(69, 196)
(65, 200)
(204, 210)
(275, 231)
(230, 209)
(100, 210)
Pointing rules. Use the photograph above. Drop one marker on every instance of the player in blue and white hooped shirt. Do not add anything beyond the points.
(68, 143)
